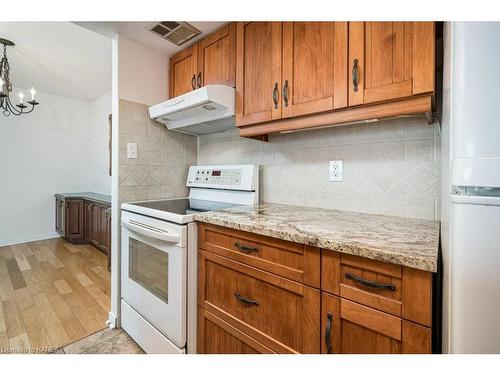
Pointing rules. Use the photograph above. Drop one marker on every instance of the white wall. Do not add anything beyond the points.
(100, 180)
(142, 73)
(43, 153)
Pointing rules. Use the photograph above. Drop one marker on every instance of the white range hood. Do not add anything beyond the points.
(209, 109)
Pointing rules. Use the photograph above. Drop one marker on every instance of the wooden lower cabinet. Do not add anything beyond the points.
(351, 328)
(251, 299)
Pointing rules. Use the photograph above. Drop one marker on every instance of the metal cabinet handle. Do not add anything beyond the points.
(245, 300)
(328, 332)
(193, 82)
(355, 75)
(285, 93)
(368, 283)
(245, 248)
(275, 95)
(199, 79)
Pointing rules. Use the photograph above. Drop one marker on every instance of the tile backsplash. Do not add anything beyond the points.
(163, 156)
(390, 167)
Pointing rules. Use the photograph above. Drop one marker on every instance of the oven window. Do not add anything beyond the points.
(148, 267)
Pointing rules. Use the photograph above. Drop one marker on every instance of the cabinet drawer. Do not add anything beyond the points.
(387, 287)
(215, 336)
(281, 314)
(293, 261)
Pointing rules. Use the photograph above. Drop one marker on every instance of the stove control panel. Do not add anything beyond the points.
(234, 177)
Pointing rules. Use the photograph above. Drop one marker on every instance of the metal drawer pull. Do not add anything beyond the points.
(199, 79)
(370, 284)
(245, 248)
(355, 75)
(245, 300)
(285, 93)
(275, 95)
(328, 333)
(193, 82)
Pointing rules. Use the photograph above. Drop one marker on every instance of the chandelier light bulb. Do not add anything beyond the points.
(33, 92)
(1, 82)
(21, 97)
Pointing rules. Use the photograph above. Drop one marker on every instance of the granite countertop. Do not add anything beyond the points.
(409, 242)
(96, 197)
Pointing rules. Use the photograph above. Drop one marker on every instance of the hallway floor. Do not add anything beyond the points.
(52, 293)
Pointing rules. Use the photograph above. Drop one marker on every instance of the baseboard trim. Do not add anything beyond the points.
(35, 237)
(112, 320)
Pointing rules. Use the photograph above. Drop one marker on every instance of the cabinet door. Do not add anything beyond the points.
(60, 216)
(258, 72)
(391, 60)
(88, 219)
(103, 230)
(217, 58)
(95, 220)
(314, 67)
(215, 336)
(74, 217)
(351, 328)
(183, 68)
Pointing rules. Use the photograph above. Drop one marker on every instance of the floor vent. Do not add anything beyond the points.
(175, 32)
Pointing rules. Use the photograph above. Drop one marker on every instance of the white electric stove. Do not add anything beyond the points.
(159, 256)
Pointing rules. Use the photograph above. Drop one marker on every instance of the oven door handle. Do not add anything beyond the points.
(151, 232)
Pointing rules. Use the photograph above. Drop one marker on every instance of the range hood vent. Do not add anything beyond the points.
(175, 32)
(209, 109)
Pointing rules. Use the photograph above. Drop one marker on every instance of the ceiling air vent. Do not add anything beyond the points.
(175, 32)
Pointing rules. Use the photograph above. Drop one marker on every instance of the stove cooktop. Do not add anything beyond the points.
(177, 210)
(185, 206)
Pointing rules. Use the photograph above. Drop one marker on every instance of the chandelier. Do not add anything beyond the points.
(6, 88)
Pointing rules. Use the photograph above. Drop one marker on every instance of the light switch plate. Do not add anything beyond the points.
(131, 150)
(336, 171)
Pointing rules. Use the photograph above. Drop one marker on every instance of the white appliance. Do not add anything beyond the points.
(471, 188)
(159, 256)
(208, 109)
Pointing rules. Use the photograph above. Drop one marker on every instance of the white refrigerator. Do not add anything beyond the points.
(471, 187)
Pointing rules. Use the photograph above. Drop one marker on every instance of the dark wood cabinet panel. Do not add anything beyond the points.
(217, 58)
(74, 220)
(60, 209)
(82, 221)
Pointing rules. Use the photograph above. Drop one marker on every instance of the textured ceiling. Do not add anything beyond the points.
(138, 31)
(59, 58)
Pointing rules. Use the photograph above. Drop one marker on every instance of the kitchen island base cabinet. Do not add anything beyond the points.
(84, 221)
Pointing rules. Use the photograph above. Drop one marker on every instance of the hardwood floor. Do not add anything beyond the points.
(52, 293)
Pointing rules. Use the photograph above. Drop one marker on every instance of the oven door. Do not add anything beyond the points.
(153, 279)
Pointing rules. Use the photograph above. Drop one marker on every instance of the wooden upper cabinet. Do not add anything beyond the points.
(258, 72)
(183, 69)
(217, 58)
(314, 67)
(390, 60)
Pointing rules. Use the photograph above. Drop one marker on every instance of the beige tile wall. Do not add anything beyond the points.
(390, 167)
(163, 156)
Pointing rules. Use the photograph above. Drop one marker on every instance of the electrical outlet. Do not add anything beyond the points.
(131, 150)
(336, 171)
